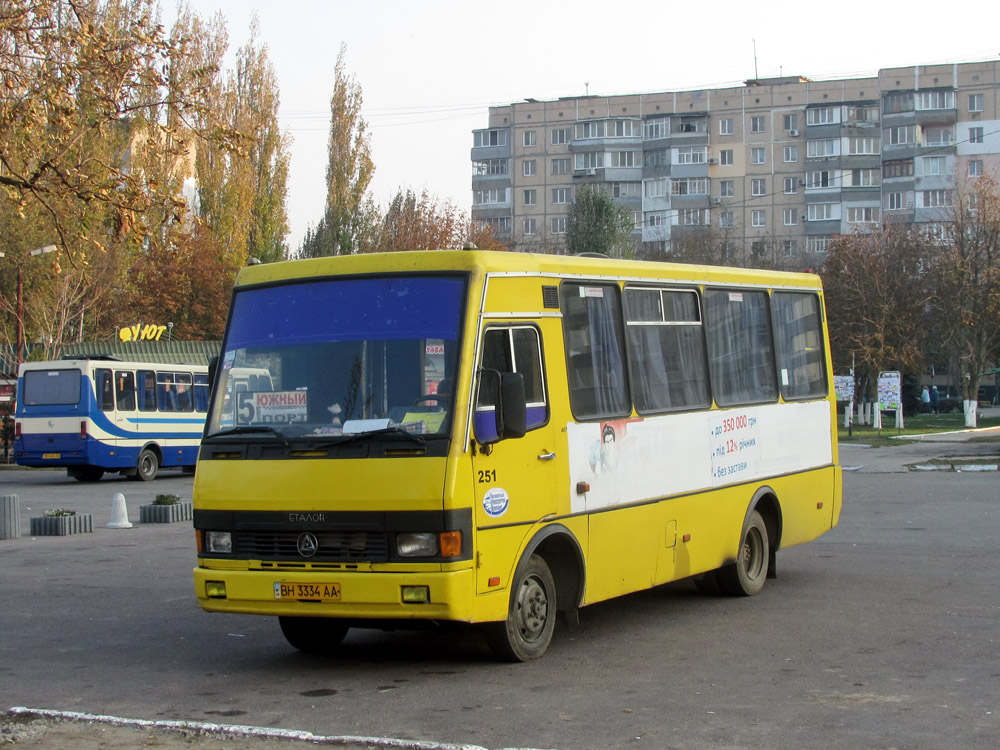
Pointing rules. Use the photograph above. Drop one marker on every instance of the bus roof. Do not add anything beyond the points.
(509, 262)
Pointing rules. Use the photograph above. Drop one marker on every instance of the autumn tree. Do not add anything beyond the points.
(877, 297)
(966, 278)
(597, 225)
(347, 219)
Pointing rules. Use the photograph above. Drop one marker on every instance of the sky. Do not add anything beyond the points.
(430, 69)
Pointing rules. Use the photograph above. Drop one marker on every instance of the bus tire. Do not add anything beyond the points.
(147, 467)
(746, 576)
(531, 616)
(86, 473)
(319, 636)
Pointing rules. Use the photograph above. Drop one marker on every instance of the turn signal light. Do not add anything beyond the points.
(451, 543)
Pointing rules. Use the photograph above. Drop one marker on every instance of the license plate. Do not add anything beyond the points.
(314, 592)
(51, 455)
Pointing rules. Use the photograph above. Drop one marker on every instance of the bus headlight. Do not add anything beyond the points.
(219, 542)
(416, 545)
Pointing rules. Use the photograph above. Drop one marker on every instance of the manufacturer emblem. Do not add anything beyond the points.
(52, 423)
(307, 544)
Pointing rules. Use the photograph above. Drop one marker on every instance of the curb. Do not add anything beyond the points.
(241, 730)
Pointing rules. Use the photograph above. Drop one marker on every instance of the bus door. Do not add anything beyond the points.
(515, 481)
(126, 418)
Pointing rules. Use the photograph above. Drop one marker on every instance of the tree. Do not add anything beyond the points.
(877, 299)
(596, 225)
(966, 277)
(347, 219)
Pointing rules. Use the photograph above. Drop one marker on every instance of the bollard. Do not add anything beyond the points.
(10, 517)
(119, 513)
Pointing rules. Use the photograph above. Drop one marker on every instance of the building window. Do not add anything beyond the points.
(656, 218)
(862, 178)
(529, 226)
(935, 165)
(820, 149)
(938, 136)
(863, 146)
(790, 217)
(656, 188)
(626, 189)
(558, 225)
(975, 102)
(822, 211)
(560, 196)
(899, 168)
(625, 158)
(659, 157)
(484, 138)
(692, 155)
(758, 218)
(487, 197)
(822, 115)
(491, 167)
(758, 155)
(975, 167)
(935, 100)
(894, 202)
(727, 219)
(726, 188)
(588, 130)
(975, 135)
(935, 198)
(655, 129)
(862, 113)
(817, 244)
(726, 126)
(690, 186)
(726, 157)
(790, 247)
(899, 135)
(530, 196)
(758, 187)
(862, 215)
(791, 154)
(528, 167)
(500, 225)
(589, 160)
(819, 180)
(624, 129)
(528, 138)
(692, 217)
(758, 124)
(562, 166)
(790, 122)
(896, 103)
(791, 186)
(560, 136)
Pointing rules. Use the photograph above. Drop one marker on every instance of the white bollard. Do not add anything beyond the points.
(119, 513)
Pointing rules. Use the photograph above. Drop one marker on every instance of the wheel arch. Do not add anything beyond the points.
(765, 501)
(561, 551)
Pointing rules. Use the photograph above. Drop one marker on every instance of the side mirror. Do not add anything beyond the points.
(507, 415)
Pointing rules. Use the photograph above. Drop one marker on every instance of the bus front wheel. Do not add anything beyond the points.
(147, 467)
(531, 618)
(746, 576)
(319, 636)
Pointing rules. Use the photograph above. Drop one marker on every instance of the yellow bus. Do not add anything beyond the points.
(492, 438)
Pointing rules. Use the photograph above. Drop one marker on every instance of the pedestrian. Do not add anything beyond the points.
(935, 398)
(925, 401)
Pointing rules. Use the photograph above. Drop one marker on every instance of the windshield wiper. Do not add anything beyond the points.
(382, 432)
(249, 430)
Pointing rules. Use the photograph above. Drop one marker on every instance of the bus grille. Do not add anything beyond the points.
(334, 546)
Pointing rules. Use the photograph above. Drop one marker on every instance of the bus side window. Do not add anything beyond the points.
(147, 390)
(125, 390)
(183, 386)
(516, 349)
(105, 390)
(201, 393)
(166, 395)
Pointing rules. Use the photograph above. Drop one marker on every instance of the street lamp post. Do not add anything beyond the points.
(20, 297)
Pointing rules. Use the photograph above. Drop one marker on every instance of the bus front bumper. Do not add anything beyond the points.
(368, 595)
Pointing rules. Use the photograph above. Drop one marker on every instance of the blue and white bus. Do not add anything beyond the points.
(103, 415)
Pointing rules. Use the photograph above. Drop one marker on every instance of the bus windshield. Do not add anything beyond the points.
(51, 387)
(340, 357)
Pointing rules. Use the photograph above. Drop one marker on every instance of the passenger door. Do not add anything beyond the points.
(515, 479)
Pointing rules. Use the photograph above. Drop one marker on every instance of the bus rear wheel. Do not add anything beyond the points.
(319, 636)
(531, 618)
(147, 467)
(746, 576)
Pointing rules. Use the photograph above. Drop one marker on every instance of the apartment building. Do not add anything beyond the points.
(777, 166)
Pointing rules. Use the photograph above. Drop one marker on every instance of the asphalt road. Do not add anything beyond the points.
(881, 634)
